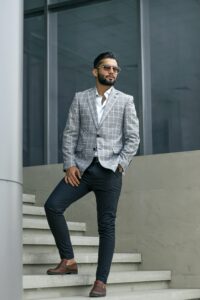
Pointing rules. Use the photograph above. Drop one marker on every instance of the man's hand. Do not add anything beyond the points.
(73, 176)
(120, 169)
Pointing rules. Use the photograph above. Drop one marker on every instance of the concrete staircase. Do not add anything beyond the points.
(125, 280)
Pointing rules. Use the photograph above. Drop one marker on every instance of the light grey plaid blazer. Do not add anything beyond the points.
(115, 138)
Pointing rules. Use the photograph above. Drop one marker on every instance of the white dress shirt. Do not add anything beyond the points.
(99, 105)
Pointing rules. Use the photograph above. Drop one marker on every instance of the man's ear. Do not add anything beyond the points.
(94, 72)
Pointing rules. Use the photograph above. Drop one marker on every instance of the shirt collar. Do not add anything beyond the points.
(106, 94)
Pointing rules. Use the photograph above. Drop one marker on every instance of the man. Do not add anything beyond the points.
(100, 139)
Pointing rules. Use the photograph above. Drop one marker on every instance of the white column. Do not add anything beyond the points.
(11, 55)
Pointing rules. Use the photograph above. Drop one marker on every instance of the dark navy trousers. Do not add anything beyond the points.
(106, 186)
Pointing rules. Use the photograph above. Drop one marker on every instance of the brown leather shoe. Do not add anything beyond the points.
(98, 289)
(62, 268)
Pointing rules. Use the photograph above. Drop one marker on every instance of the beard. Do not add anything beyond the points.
(104, 81)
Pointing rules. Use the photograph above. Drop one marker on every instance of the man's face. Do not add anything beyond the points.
(107, 71)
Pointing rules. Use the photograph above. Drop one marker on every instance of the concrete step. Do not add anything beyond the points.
(164, 294)
(28, 199)
(33, 224)
(34, 217)
(41, 286)
(47, 239)
(33, 211)
(39, 263)
(44, 243)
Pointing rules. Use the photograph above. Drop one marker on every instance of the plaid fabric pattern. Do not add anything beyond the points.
(115, 138)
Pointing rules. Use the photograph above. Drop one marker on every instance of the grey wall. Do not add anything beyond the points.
(158, 213)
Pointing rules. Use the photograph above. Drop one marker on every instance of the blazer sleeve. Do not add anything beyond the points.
(130, 134)
(70, 135)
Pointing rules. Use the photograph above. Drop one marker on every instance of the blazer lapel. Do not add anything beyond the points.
(110, 102)
(92, 105)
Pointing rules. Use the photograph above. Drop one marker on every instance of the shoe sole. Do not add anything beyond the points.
(67, 273)
(96, 296)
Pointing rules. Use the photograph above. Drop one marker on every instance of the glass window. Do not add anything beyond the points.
(175, 65)
(82, 33)
(33, 4)
(33, 105)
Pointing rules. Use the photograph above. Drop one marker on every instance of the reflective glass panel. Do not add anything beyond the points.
(175, 65)
(33, 4)
(33, 104)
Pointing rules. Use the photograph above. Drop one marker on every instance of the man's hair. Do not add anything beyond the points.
(104, 55)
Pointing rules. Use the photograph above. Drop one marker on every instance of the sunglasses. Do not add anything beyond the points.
(107, 68)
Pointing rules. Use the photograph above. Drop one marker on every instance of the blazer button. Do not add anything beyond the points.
(98, 135)
(94, 149)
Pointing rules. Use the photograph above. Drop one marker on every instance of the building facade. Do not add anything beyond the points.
(158, 46)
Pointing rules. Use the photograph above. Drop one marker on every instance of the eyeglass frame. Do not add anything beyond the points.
(116, 69)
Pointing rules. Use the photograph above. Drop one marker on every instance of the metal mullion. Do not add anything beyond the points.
(46, 87)
(64, 5)
(39, 11)
(146, 105)
(51, 97)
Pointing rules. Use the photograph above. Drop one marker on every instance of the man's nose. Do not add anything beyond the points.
(111, 71)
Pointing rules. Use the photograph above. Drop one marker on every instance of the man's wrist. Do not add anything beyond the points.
(67, 168)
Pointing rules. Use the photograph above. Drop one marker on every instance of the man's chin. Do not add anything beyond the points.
(108, 82)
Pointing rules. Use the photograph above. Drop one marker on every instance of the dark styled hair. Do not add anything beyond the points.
(104, 55)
